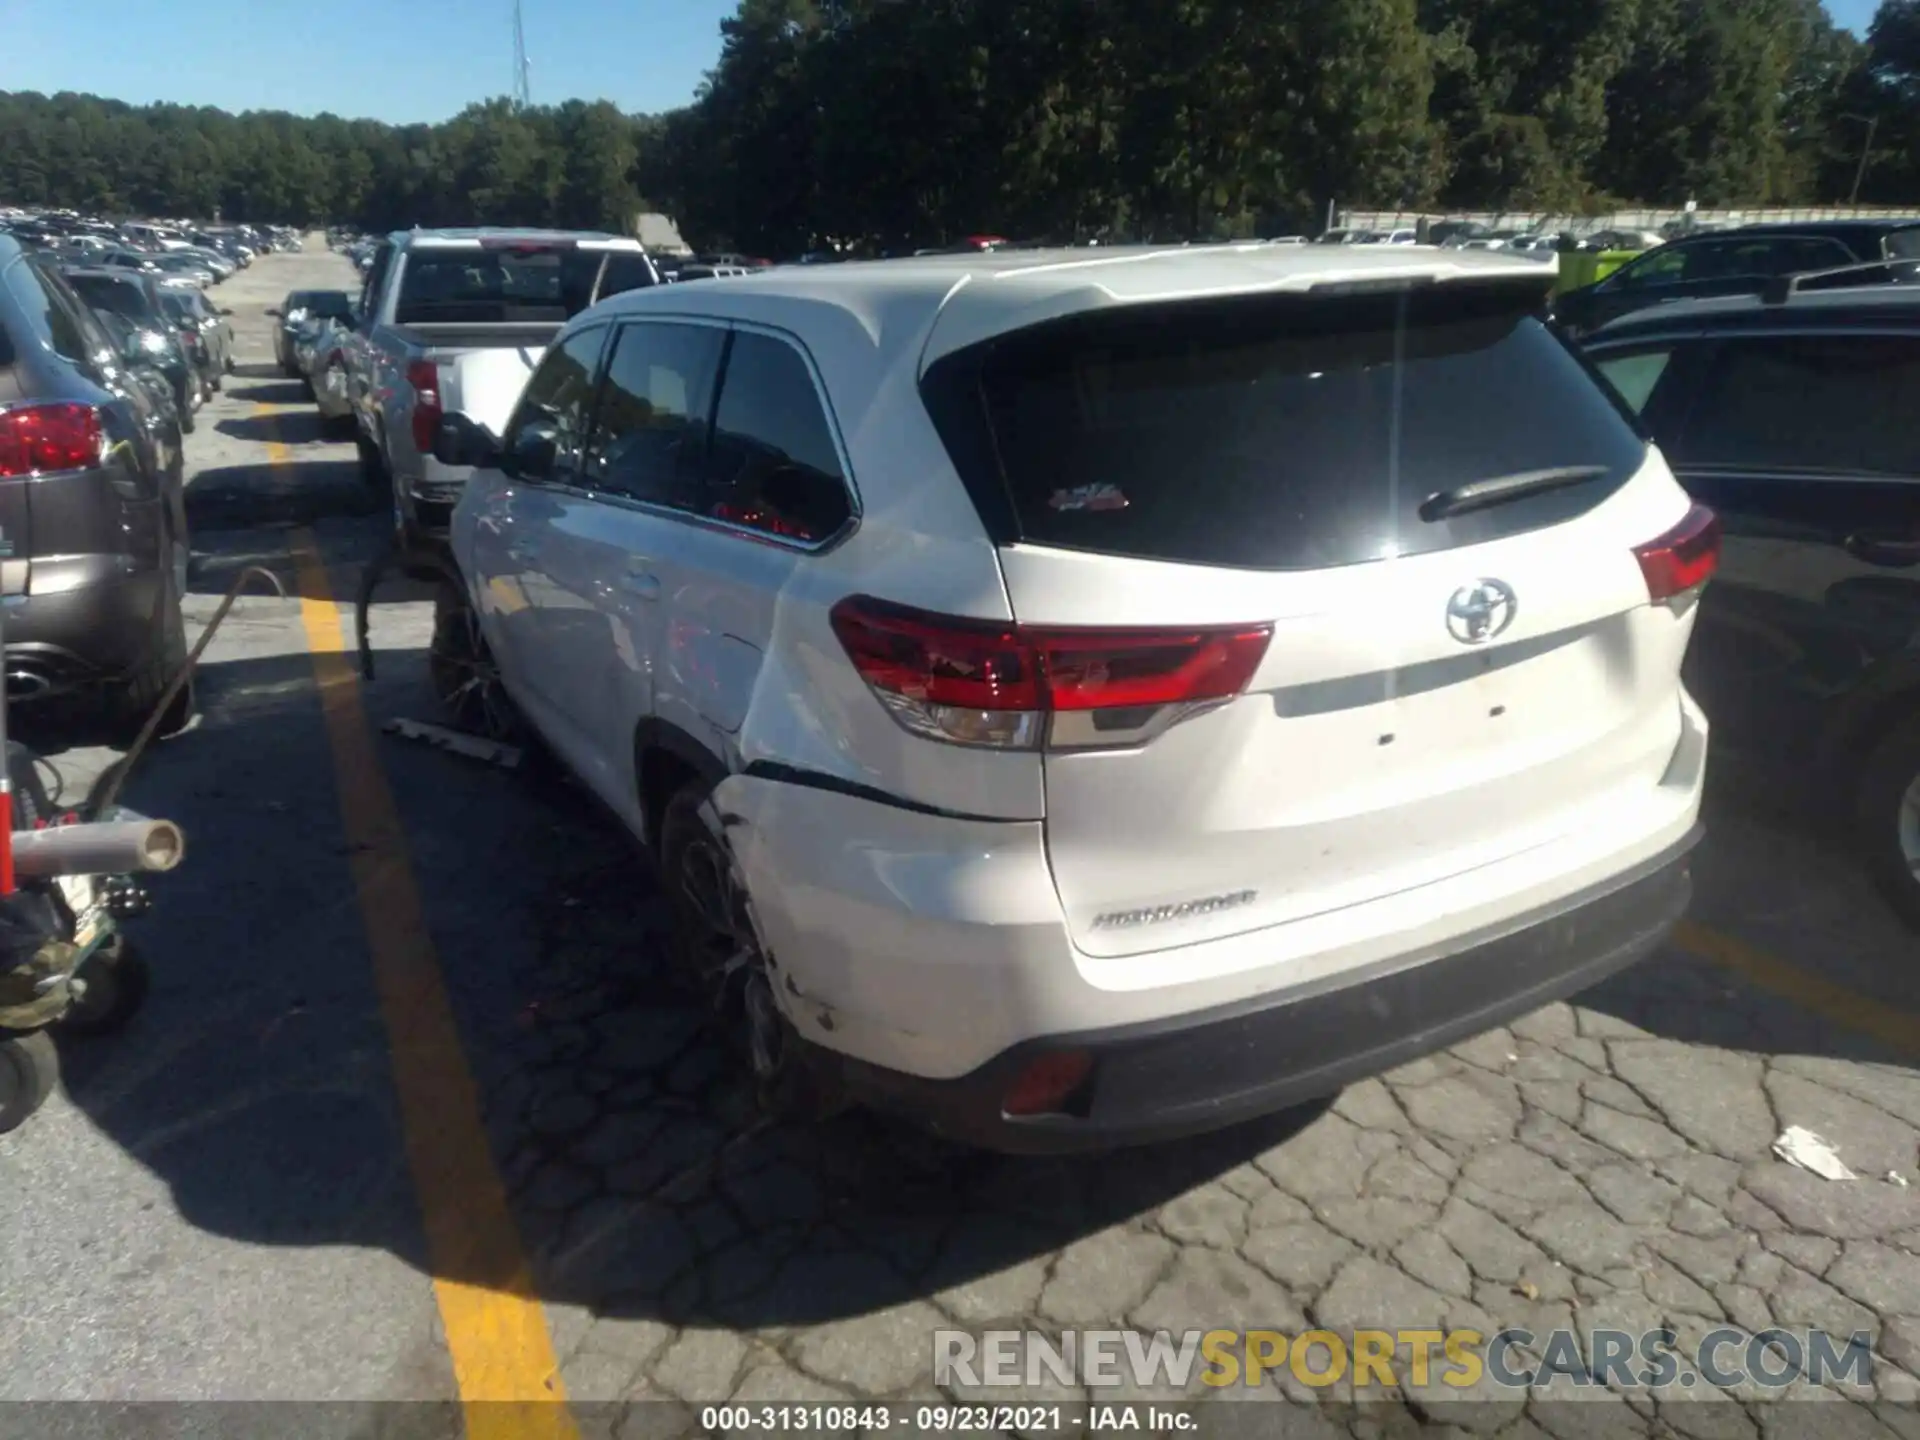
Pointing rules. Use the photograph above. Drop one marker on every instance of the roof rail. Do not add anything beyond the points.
(1782, 288)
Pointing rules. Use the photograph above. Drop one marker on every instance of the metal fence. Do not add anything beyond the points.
(1548, 222)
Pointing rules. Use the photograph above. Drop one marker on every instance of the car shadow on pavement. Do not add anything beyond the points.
(302, 427)
(267, 386)
(257, 1084)
(646, 1186)
(245, 497)
(1782, 871)
(259, 370)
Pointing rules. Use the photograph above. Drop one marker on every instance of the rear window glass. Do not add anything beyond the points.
(487, 287)
(1279, 433)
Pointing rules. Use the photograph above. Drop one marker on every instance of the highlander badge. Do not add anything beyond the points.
(1160, 914)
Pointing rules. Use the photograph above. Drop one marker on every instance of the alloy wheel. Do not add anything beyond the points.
(466, 681)
(725, 950)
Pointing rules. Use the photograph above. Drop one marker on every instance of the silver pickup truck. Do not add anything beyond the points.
(432, 297)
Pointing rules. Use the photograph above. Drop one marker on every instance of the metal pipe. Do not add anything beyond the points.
(121, 847)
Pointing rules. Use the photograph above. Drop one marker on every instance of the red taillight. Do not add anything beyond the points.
(988, 683)
(39, 438)
(1684, 558)
(424, 377)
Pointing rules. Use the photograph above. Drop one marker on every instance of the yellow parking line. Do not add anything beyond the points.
(497, 1338)
(1898, 1029)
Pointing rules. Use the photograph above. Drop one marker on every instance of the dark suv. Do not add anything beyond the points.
(1797, 419)
(137, 297)
(1739, 262)
(93, 534)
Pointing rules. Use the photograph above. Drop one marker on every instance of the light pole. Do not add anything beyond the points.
(1872, 122)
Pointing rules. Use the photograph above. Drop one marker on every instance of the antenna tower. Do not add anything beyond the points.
(522, 89)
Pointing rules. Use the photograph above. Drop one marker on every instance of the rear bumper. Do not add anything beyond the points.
(1198, 1072)
(99, 626)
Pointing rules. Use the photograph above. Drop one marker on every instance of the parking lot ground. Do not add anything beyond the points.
(276, 1184)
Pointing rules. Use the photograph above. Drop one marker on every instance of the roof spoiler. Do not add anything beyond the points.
(1782, 288)
(1529, 282)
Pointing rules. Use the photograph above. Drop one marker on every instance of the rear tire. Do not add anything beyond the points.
(128, 703)
(717, 951)
(29, 1068)
(465, 678)
(373, 466)
(1887, 814)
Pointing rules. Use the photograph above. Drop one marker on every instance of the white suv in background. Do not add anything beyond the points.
(1081, 699)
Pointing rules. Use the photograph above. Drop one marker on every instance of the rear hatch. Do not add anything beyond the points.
(1421, 678)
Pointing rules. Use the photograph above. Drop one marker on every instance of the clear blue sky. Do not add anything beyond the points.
(398, 60)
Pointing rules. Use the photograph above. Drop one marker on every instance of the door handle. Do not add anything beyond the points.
(1891, 554)
(641, 586)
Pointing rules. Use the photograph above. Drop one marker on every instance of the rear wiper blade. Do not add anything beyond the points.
(1483, 494)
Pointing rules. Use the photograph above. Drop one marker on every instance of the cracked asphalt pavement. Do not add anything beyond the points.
(219, 1204)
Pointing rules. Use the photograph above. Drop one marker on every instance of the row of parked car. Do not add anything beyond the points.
(1210, 699)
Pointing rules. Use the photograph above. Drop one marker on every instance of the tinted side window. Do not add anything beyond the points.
(123, 297)
(376, 277)
(625, 271)
(1903, 244)
(1732, 259)
(1794, 257)
(1844, 403)
(558, 398)
(1666, 266)
(95, 341)
(1635, 375)
(650, 437)
(45, 314)
(774, 465)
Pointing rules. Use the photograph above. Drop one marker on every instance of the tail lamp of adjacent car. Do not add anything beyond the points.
(424, 377)
(1681, 561)
(43, 439)
(1005, 686)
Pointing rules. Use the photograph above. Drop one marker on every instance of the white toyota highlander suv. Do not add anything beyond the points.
(1082, 698)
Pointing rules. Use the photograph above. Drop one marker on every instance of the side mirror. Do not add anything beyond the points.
(275, 312)
(461, 440)
(225, 310)
(534, 453)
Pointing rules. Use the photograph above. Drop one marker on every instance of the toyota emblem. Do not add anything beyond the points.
(1481, 611)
